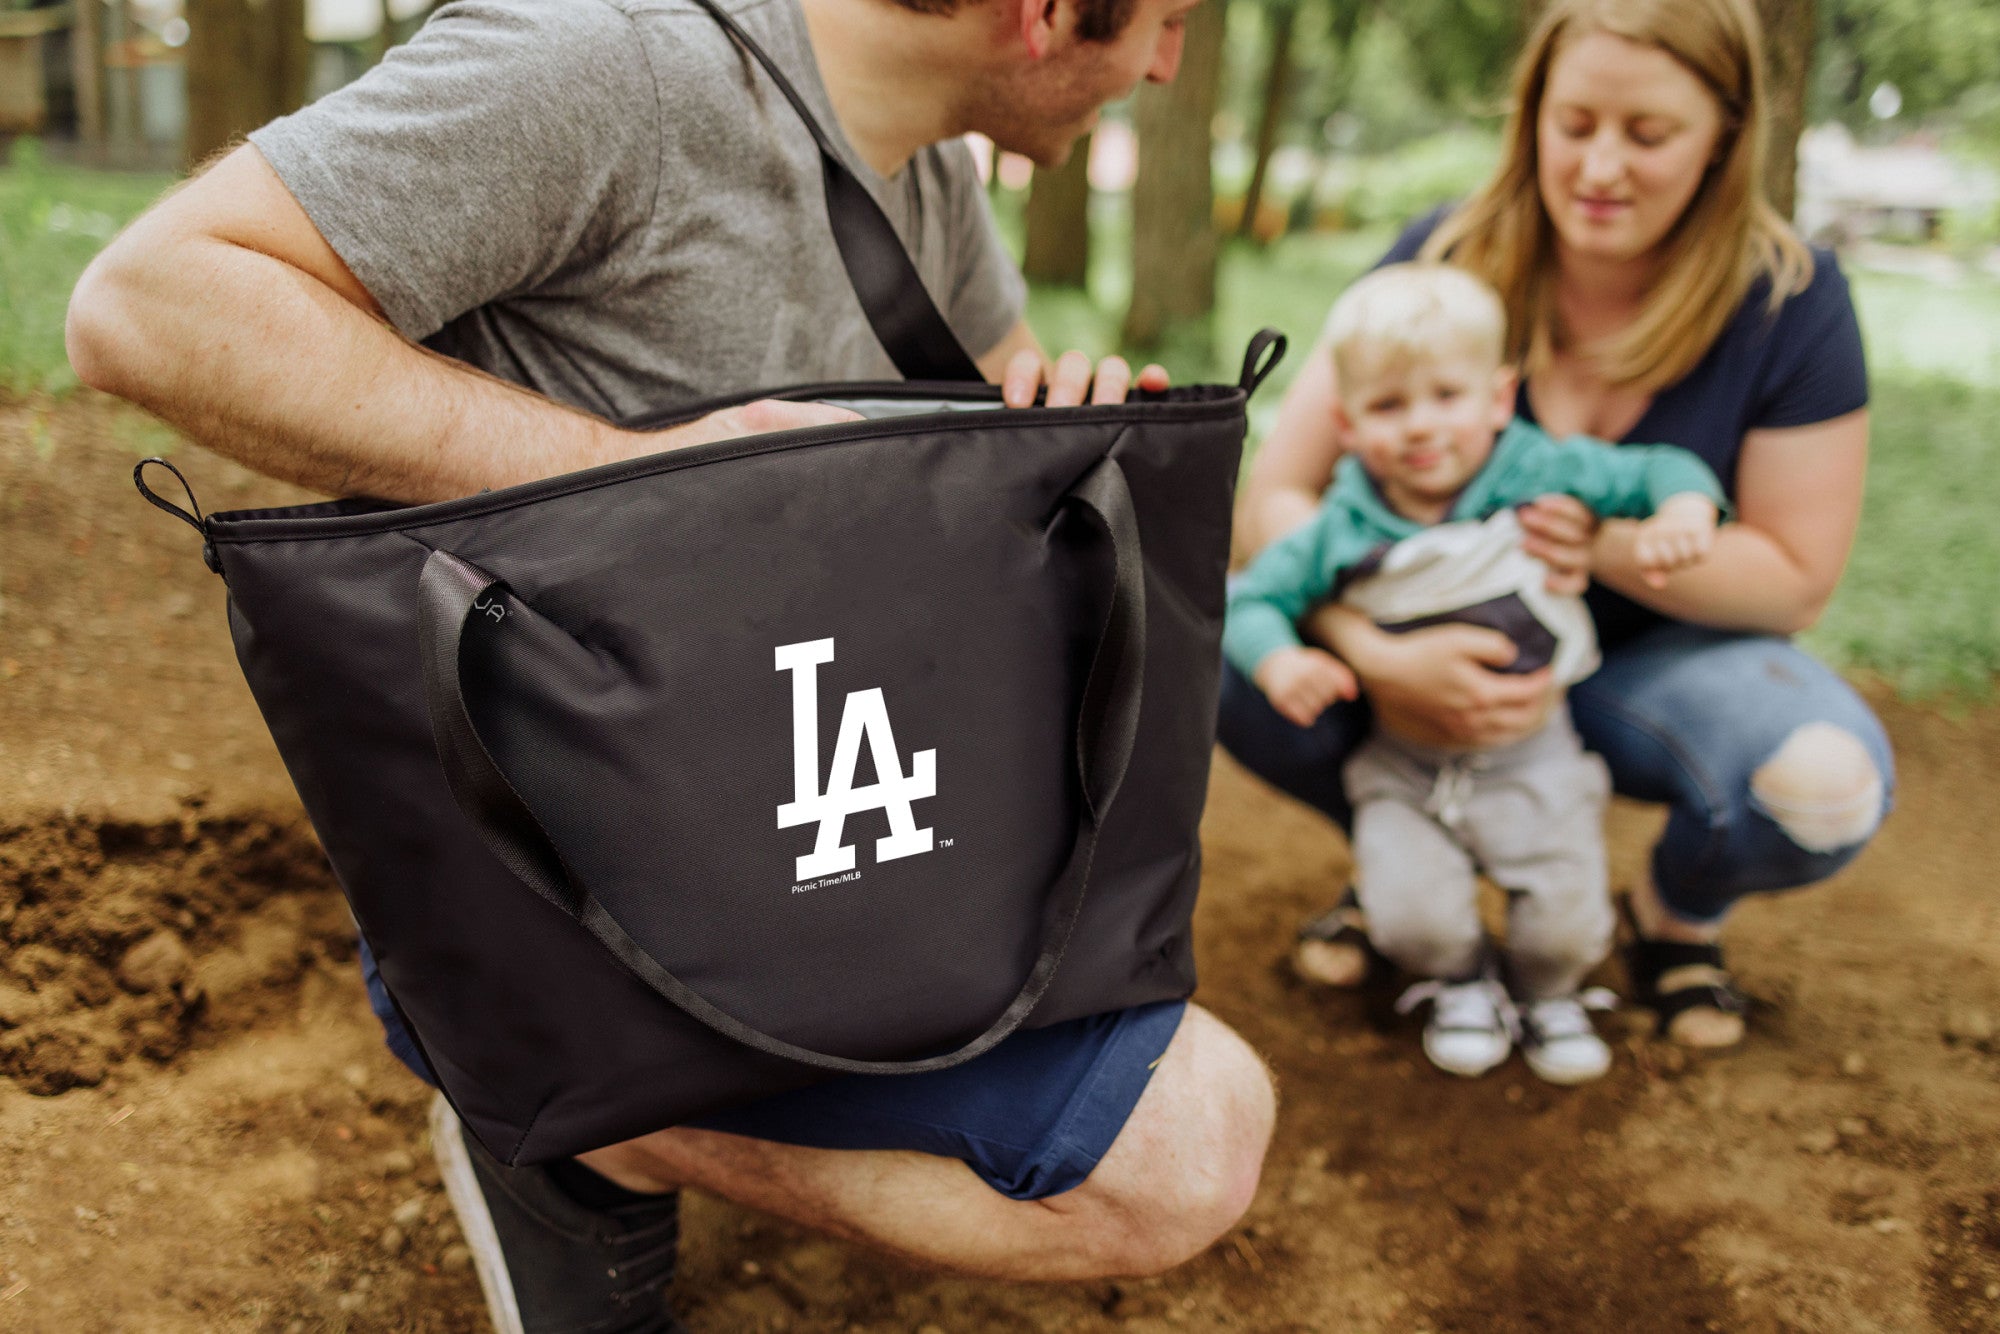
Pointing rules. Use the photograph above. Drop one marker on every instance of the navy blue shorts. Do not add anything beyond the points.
(1032, 1117)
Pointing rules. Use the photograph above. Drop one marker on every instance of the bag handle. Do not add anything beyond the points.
(899, 308)
(451, 591)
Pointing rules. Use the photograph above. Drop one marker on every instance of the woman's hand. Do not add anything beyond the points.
(1440, 686)
(1559, 530)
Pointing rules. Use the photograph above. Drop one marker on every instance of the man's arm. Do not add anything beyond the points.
(225, 312)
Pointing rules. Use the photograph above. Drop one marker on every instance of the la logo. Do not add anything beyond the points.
(866, 716)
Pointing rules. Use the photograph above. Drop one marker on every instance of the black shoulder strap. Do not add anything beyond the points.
(906, 321)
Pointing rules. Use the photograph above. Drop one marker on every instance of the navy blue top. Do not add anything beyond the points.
(1802, 365)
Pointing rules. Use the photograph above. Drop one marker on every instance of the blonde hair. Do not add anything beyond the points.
(1726, 238)
(1403, 314)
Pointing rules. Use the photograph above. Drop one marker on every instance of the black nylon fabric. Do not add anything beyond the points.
(453, 594)
(629, 692)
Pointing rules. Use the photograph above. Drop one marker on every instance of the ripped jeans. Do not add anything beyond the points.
(1686, 716)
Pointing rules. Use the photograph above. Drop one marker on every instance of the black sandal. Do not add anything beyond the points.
(1344, 924)
(1648, 960)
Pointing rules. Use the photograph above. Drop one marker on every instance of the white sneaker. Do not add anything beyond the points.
(1558, 1040)
(1472, 1025)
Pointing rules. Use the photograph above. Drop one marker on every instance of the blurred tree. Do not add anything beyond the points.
(247, 63)
(1942, 56)
(395, 31)
(86, 63)
(385, 36)
(1465, 47)
(1788, 49)
(1281, 18)
(1406, 69)
(1173, 199)
(1058, 222)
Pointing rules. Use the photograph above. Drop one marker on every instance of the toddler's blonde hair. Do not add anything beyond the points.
(1404, 314)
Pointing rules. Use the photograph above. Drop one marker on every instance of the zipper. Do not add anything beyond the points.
(256, 529)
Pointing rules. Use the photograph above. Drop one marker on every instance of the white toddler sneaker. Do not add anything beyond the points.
(1472, 1026)
(1558, 1040)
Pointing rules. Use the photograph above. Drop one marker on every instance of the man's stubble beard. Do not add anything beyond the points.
(1041, 118)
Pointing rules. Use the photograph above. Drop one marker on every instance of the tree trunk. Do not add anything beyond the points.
(86, 67)
(247, 63)
(1173, 199)
(385, 36)
(1284, 21)
(120, 86)
(1788, 45)
(1058, 215)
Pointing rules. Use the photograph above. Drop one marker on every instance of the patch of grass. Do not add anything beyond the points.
(1918, 601)
(52, 221)
(1919, 326)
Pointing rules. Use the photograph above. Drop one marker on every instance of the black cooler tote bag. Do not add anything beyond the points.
(685, 780)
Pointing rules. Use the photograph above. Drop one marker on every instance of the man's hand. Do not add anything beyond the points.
(1302, 683)
(1678, 535)
(1071, 379)
(1558, 530)
(760, 417)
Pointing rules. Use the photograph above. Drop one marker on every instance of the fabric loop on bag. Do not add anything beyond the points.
(194, 520)
(452, 591)
(1257, 367)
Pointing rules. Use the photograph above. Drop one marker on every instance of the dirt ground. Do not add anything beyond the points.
(200, 1130)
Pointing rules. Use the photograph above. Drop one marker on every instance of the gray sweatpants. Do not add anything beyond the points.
(1531, 815)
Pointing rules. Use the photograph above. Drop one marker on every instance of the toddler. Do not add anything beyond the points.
(1418, 529)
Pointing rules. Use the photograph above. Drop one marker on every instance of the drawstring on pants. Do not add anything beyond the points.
(1453, 788)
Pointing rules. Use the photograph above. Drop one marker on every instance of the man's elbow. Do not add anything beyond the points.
(103, 330)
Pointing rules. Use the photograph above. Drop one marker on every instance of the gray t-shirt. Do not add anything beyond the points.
(610, 203)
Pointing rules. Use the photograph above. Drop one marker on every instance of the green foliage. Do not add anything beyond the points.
(1382, 100)
(1368, 75)
(52, 221)
(1393, 188)
(1942, 55)
(1468, 46)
